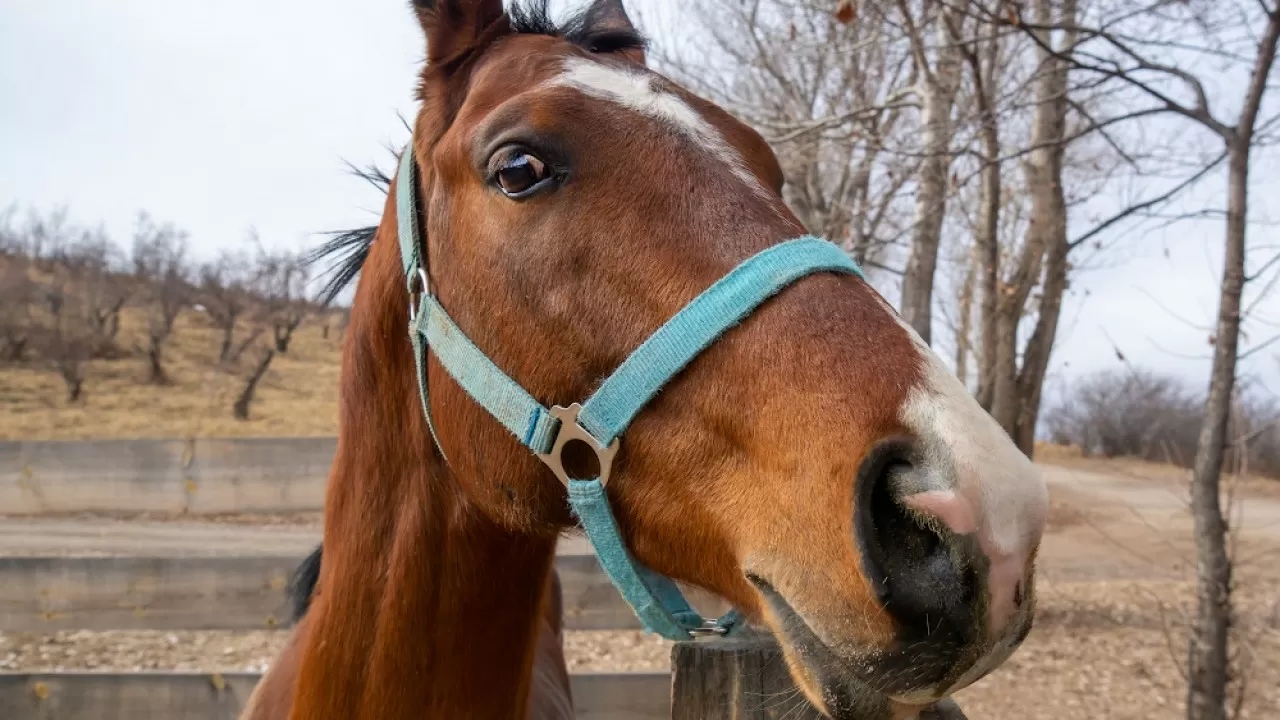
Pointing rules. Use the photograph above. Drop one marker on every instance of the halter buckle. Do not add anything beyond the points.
(570, 431)
(418, 285)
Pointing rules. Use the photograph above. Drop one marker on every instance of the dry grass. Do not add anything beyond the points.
(298, 396)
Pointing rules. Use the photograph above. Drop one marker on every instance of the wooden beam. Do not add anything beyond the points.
(41, 594)
(217, 696)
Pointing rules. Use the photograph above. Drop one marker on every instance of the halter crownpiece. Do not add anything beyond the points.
(601, 419)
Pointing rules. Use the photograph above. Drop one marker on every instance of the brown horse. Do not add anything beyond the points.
(817, 467)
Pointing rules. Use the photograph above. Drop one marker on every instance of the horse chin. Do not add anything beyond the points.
(859, 684)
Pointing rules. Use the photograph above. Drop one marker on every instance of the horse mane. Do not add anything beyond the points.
(589, 30)
(347, 250)
(303, 584)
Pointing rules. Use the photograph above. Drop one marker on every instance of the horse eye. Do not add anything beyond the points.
(520, 175)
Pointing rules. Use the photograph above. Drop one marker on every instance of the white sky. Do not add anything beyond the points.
(237, 114)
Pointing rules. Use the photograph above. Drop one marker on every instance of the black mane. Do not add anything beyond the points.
(588, 28)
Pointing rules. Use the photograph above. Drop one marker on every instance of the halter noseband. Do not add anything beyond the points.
(602, 418)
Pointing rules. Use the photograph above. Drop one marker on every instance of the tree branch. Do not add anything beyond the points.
(1132, 209)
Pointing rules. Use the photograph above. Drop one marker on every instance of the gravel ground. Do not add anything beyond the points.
(1100, 650)
(252, 651)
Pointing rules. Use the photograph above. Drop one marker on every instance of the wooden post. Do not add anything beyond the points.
(746, 678)
(739, 678)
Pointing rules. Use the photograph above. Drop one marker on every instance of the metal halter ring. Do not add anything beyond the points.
(418, 286)
(569, 431)
(710, 628)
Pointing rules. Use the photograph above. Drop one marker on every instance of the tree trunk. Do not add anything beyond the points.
(241, 408)
(1035, 358)
(74, 382)
(228, 331)
(988, 242)
(283, 332)
(155, 361)
(987, 239)
(1004, 363)
(1207, 658)
(17, 348)
(1207, 649)
(964, 324)
(282, 339)
(1045, 245)
(931, 201)
(938, 96)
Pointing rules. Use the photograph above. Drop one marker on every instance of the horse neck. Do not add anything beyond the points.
(425, 606)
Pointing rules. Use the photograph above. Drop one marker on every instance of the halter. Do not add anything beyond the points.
(602, 418)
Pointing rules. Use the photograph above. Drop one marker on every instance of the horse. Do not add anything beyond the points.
(815, 464)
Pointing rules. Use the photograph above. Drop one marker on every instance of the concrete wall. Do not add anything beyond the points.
(192, 696)
(39, 594)
(266, 475)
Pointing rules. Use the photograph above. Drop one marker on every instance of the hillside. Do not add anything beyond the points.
(298, 395)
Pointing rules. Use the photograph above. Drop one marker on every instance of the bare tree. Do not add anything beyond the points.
(282, 279)
(18, 292)
(226, 293)
(97, 265)
(160, 264)
(69, 340)
(1149, 55)
(937, 66)
(1015, 396)
(831, 95)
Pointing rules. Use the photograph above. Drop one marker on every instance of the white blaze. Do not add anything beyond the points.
(637, 92)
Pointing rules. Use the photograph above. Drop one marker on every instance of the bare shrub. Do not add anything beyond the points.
(1139, 414)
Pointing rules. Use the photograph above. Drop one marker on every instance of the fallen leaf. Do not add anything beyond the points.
(846, 12)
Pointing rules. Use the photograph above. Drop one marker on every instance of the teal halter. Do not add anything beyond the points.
(599, 421)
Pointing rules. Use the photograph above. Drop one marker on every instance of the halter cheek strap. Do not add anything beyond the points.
(602, 418)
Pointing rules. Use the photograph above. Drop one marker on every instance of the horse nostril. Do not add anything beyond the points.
(911, 558)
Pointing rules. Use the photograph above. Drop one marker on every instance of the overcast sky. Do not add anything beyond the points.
(237, 114)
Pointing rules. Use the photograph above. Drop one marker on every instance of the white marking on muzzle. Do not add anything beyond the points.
(978, 480)
(637, 91)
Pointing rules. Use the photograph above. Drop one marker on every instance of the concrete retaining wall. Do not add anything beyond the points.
(252, 475)
(39, 594)
(191, 696)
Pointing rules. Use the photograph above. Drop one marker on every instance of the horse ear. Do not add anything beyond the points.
(455, 27)
(611, 16)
